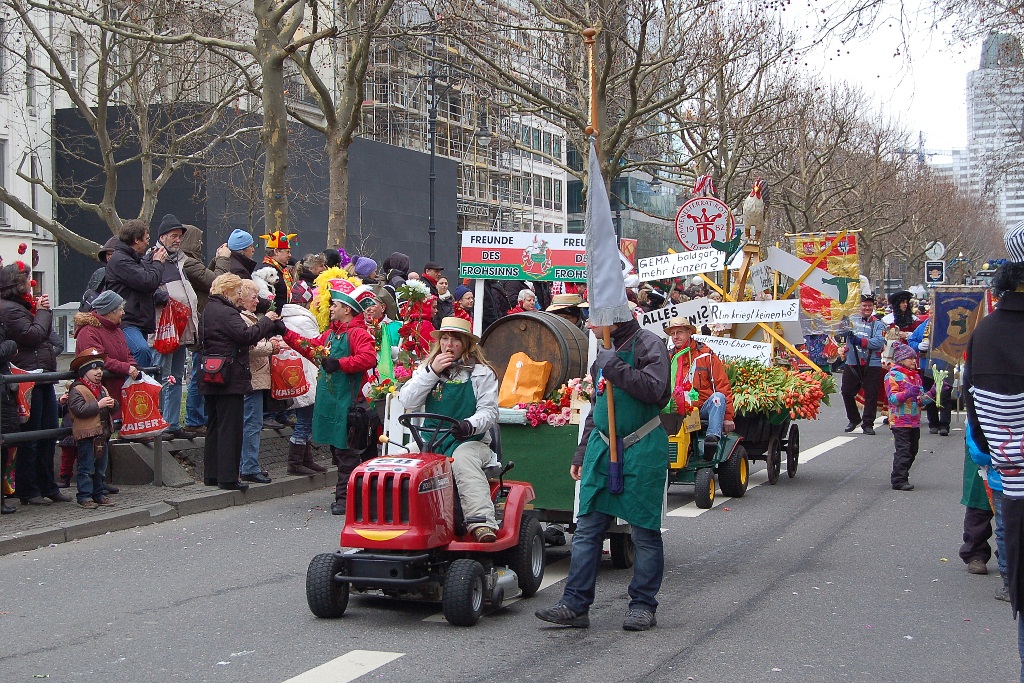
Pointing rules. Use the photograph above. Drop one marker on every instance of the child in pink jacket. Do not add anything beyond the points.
(906, 398)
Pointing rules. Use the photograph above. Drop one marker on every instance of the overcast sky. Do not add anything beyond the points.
(924, 85)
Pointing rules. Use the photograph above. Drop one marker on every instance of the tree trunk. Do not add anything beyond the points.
(274, 134)
(337, 206)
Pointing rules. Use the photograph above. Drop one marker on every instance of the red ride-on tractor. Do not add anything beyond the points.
(403, 537)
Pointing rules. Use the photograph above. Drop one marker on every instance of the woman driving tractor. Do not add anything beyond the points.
(455, 380)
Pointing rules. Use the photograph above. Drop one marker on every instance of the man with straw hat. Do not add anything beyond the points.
(455, 380)
(698, 378)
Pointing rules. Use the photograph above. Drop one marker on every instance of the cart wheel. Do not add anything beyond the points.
(623, 550)
(793, 450)
(463, 599)
(773, 460)
(704, 488)
(327, 598)
(733, 473)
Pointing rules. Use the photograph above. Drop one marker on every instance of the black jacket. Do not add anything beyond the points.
(495, 303)
(31, 334)
(136, 279)
(223, 333)
(9, 422)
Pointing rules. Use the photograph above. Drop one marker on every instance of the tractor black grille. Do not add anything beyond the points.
(382, 497)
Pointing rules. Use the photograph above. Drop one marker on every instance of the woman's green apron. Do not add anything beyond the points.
(457, 401)
(645, 464)
(334, 393)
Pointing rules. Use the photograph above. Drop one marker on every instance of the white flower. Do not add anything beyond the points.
(414, 290)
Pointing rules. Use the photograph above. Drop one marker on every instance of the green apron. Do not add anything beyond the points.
(645, 464)
(334, 392)
(457, 401)
(388, 338)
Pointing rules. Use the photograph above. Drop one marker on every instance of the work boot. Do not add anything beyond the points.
(308, 461)
(296, 452)
(977, 566)
(710, 447)
(1004, 592)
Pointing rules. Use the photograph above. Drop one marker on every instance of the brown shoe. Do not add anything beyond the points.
(296, 452)
(60, 498)
(484, 534)
(89, 504)
(977, 566)
(308, 461)
(36, 500)
(106, 502)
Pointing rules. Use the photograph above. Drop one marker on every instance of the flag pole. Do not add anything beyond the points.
(589, 39)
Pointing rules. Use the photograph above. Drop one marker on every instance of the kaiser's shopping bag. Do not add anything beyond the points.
(24, 393)
(287, 378)
(173, 320)
(140, 407)
(524, 381)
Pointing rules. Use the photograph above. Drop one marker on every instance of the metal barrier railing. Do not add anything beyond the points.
(61, 432)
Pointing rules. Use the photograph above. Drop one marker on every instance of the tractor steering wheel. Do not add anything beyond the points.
(435, 434)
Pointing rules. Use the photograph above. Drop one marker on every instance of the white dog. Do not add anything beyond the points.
(266, 278)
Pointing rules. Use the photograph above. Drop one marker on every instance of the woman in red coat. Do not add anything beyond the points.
(100, 329)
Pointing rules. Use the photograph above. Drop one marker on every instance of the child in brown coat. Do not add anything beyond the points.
(90, 407)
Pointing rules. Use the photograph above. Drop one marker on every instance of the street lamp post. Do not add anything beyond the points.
(432, 133)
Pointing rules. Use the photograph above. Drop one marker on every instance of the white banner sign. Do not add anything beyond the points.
(680, 264)
(737, 348)
(697, 312)
(754, 311)
(790, 265)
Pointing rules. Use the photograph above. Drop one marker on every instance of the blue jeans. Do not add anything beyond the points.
(997, 505)
(33, 467)
(171, 365)
(91, 471)
(195, 405)
(303, 428)
(713, 411)
(252, 423)
(1020, 644)
(139, 346)
(587, 541)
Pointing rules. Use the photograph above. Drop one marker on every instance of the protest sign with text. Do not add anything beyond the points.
(681, 264)
(726, 347)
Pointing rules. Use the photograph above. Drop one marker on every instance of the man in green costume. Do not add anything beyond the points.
(638, 369)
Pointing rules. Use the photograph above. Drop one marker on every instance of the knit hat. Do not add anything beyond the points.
(461, 291)
(1014, 240)
(364, 266)
(239, 240)
(168, 223)
(87, 359)
(902, 352)
(106, 301)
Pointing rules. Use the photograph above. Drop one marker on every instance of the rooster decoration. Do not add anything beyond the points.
(753, 213)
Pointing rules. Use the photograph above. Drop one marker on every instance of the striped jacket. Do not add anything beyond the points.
(994, 390)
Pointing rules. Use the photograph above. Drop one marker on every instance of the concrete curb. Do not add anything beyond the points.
(173, 507)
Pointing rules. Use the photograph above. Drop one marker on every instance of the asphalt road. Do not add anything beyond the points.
(829, 576)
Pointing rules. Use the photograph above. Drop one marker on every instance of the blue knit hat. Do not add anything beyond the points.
(461, 291)
(239, 240)
(364, 266)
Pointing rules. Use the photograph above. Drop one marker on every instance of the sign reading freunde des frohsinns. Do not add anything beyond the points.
(524, 256)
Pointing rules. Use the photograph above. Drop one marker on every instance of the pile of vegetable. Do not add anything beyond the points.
(760, 389)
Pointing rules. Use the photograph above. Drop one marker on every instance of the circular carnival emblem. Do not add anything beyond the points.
(704, 220)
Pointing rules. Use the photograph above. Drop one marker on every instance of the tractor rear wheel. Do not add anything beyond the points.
(623, 550)
(733, 473)
(526, 559)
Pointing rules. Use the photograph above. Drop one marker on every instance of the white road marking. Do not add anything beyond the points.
(347, 667)
(760, 477)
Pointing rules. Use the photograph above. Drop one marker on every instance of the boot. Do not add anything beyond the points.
(296, 451)
(307, 459)
(1004, 592)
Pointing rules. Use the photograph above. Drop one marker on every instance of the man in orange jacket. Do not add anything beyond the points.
(696, 367)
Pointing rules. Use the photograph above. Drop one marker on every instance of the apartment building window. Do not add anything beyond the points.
(3, 178)
(36, 171)
(547, 193)
(547, 143)
(538, 192)
(73, 59)
(30, 78)
(3, 57)
(558, 194)
(556, 147)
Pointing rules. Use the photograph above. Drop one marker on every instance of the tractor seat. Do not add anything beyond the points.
(493, 468)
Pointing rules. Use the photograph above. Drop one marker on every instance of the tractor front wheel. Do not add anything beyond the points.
(326, 596)
(704, 488)
(463, 599)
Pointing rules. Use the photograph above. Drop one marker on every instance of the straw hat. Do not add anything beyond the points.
(560, 301)
(454, 324)
(680, 323)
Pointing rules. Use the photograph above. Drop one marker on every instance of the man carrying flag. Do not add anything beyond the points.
(622, 459)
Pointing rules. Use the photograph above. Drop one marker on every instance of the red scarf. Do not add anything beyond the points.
(31, 301)
(96, 389)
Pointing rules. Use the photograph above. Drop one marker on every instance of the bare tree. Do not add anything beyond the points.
(151, 107)
(341, 107)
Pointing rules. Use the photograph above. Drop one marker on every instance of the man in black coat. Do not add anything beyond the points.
(136, 280)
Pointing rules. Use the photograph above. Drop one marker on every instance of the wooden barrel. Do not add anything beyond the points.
(541, 336)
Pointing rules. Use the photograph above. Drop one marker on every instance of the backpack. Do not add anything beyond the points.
(97, 283)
